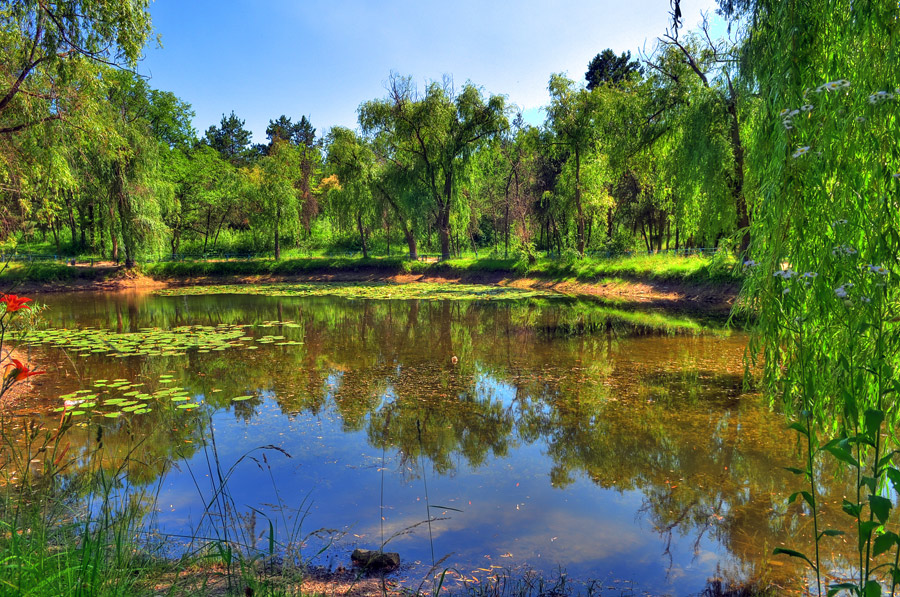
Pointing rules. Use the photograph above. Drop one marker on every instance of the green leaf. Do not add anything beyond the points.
(809, 499)
(832, 533)
(884, 543)
(887, 458)
(793, 554)
(881, 507)
(798, 426)
(865, 531)
(868, 482)
(873, 589)
(894, 475)
(842, 455)
(796, 471)
(874, 419)
(844, 586)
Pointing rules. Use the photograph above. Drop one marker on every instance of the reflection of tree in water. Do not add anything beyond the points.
(630, 401)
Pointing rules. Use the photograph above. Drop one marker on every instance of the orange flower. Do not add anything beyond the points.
(14, 302)
(19, 371)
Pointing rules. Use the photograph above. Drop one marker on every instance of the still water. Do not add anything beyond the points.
(617, 445)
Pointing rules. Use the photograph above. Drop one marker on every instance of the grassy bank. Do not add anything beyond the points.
(695, 270)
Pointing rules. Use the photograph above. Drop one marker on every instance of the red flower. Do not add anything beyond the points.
(14, 303)
(20, 372)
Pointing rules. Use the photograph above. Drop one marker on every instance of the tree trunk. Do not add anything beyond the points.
(219, 228)
(362, 235)
(444, 233)
(411, 242)
(443, 223)
(55, 230)
(91, 225)
(737, 147)
(206, 234)
(277, 238)
(578, 207)
(113, 237)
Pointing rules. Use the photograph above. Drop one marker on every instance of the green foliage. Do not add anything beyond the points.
(826, 242)
(607, 67)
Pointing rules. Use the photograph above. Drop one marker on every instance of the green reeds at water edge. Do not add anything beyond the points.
(80, 525)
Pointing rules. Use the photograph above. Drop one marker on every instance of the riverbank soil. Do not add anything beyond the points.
(718, 296)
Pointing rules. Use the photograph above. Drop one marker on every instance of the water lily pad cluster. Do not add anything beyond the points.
(380, 290)
(145, 342)
(121, 397)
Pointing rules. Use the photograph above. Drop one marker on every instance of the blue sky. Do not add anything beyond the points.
(264, 58)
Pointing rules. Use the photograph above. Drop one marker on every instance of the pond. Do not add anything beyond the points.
(478, 435)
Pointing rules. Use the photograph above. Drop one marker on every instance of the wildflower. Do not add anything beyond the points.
(809, 275)
(787, 125)
(860, 119)
(843, 250)
(785, 291)
(750, 263)
(806, 107)
(19, 371)
(880, 96)
(878, 269)
(784, 112)
(801, 151)
(14, 303)
(865, 299)
(841, 292)
(897, 175)
(833, 85)
(838, 222)
(785, 274)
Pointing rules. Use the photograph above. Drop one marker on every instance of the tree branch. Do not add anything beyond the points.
(24, 125)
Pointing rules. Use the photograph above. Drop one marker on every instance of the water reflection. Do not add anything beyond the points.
(621, 445)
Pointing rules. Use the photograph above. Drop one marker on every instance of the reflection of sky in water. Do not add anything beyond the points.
(613, 411)
(511, 515)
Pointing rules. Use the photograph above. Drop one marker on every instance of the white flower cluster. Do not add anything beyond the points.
(803, 150)
(841, 291)
(880, 96)
(843, 250)
(786, 116)
(833, 85)
(785, 274)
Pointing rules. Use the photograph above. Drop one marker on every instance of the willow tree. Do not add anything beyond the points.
(571, 118)
(129, 165)
(825, 162)
(42, 42)
(272, 183)
(434, 135)
(351, 159)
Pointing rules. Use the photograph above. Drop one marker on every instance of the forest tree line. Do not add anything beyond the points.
(643, 153)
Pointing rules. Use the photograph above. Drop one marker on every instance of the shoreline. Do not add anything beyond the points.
(715, 295)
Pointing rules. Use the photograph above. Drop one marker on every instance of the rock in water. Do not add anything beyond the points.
(375, 561)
